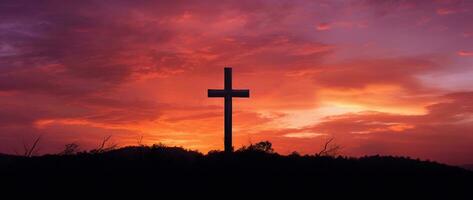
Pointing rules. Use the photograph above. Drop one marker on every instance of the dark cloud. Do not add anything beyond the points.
(86, 45)
(107, 42)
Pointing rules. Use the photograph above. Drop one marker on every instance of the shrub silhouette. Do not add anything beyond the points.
(70, 149)
(255, 168)
(263, 147)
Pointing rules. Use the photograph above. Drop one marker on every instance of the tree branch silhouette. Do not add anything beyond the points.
(140, 140)
(29, 150)
(103, 146)
(329, 150)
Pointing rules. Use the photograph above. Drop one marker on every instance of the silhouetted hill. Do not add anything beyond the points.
(469, 166)
(160, 170)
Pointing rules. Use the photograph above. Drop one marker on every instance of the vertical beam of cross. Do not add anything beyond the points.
(228, 93)
(228, 110)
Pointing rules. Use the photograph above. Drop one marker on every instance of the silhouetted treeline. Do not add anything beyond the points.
(256, 168)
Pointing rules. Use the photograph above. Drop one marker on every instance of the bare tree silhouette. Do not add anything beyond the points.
(31, 150)
(139, 141)
(329, 149)
(105, 146)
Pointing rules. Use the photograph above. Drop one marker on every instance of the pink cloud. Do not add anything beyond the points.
(465, 53)
(388, 71)
(323, 27)
(445, 11)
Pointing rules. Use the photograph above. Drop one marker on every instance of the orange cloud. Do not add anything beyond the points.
(303, 135)
(444, 127)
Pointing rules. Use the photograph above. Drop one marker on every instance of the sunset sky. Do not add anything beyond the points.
(380, 77)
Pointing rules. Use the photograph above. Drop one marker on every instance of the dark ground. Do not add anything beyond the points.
(163, 170)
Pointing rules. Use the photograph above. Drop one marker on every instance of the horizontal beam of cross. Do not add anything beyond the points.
(232, 93)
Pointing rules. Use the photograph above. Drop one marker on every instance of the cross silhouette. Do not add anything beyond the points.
(228, 93)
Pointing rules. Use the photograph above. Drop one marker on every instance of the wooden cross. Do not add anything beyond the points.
(228, 93)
